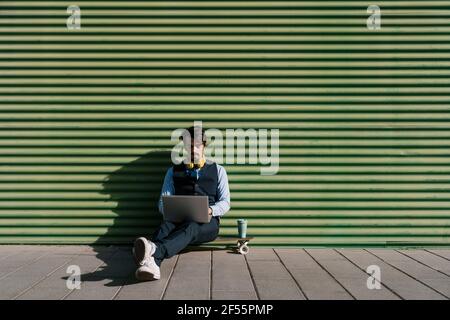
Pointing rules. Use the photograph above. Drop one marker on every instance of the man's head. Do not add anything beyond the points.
(194, 139)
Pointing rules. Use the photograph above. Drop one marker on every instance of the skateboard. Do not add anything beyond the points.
(241, 243)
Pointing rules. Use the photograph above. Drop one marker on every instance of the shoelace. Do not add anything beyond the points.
(146, 255)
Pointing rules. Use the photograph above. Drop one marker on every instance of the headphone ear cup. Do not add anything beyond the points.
(199, 165)
(195, 165)
(190, 165)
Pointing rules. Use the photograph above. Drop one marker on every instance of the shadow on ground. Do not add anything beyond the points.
(135, 189)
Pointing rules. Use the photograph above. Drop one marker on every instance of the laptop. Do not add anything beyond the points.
(181, 208)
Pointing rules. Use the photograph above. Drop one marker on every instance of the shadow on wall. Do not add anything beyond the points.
(135, 188)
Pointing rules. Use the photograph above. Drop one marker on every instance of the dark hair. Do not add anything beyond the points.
(197, 131)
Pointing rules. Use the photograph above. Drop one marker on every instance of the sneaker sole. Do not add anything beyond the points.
(139, 251)
(146, 276)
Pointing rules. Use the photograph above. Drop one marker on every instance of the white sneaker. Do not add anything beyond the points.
(143, 249)
(149, 271)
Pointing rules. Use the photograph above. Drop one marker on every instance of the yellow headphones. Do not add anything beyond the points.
(196, 165)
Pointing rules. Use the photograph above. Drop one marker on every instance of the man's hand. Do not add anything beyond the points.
(210, 211)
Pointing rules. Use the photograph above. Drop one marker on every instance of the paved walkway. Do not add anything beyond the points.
(40, 272)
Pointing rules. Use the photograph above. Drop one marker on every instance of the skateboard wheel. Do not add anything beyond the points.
(243, 249)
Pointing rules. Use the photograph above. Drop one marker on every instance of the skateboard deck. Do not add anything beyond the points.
(241, 243)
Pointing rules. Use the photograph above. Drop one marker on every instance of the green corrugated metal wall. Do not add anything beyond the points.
(364, 116)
